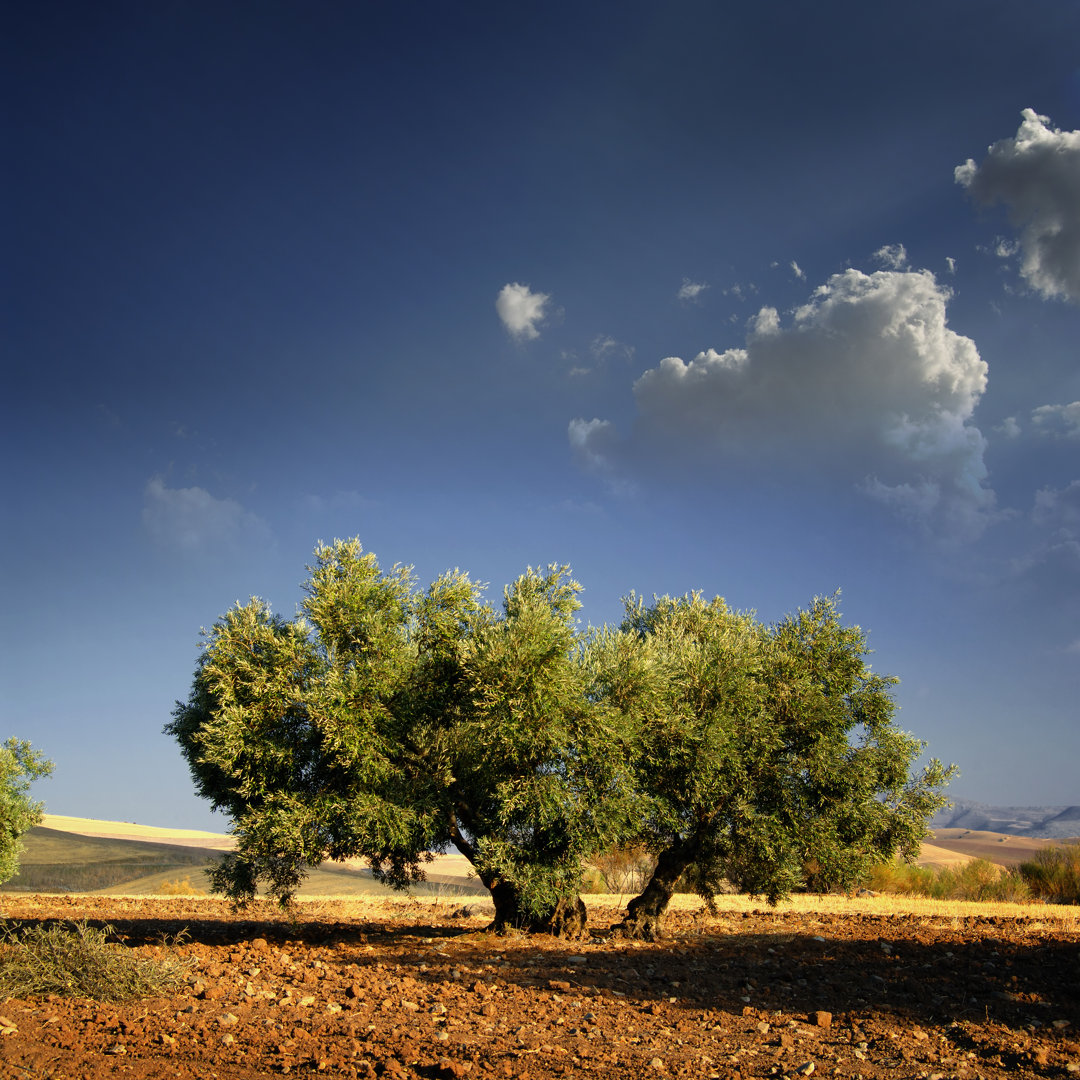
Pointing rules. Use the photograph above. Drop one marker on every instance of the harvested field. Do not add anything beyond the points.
(871, 988)
(1000, 848)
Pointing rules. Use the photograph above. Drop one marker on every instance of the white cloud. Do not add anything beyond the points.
(521, 310)
(604, 346)
(1063, 420)
(950, 264)
(595, 445)
(765, 322)
(740, 291)
(891, 256)
(690, 291)
(731, 359)
(797, 270)
(1037, 175)
(1005, 248)
(192, 521)
(591, 441)
(867, 382)
(1009, 427)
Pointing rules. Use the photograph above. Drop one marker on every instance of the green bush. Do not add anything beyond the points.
(977, 880)
(901, 879)
(1053, 874)
(77, 960)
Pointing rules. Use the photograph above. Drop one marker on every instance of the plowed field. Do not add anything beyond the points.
(422, 991)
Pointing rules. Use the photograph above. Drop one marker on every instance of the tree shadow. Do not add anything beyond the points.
(930, 970)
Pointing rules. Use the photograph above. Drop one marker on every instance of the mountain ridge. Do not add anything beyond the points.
(1041, 822)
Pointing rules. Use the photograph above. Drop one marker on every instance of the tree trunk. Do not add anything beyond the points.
(646, 911)
(566, 920)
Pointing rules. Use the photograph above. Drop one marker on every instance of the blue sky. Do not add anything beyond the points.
(762, 300)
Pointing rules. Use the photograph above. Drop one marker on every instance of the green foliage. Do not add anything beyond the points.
(19, 766)
(78, 960)
(767, 754)
(386, 722)
(977, 880)
(536, 786)
(1053, 874)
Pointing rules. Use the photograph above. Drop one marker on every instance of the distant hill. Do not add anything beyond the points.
(1044, 822)
(81, 855)
(58, 861)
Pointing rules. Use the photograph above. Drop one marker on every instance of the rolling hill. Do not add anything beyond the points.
(81, 855)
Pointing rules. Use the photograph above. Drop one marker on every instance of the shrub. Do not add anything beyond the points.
(77, 960)
(623, 869)
(1053, 874)
(901, 879)
(977, 880)
(179, 887)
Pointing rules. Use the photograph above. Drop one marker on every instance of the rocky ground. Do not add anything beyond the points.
(424, 992)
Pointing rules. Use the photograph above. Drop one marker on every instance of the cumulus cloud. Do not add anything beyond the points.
(866, 382)
(1061, 420)
(191, 521)
(1009, 427)
(732, 359)
(798, 271)
(1036, 174)
(521, 310)
(690, 291)
(765, 323)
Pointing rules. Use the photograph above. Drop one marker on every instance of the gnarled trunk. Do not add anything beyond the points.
(645, 912)
(566, 920)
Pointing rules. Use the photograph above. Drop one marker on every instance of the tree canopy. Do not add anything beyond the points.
(387, 722)
(20, 765)
(384, 723)
(768, 758)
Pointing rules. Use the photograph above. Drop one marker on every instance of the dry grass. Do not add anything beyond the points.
(78, 960)
(603, 904)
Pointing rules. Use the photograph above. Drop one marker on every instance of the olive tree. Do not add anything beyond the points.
(386, 723)
(766, 757)
(20, 765)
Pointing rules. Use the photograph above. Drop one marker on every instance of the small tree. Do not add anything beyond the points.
(19, 766)
(768, 758)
